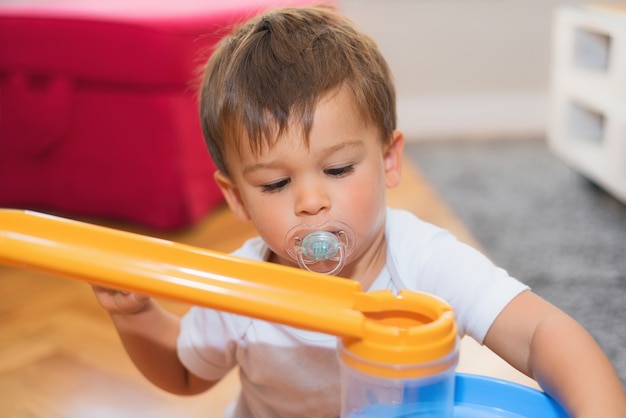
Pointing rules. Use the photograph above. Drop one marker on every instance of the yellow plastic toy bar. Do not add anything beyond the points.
(286, 295)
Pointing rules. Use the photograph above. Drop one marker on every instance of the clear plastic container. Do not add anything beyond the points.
(431, 395)
(405, 365)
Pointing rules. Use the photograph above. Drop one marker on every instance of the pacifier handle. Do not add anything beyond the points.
(341, 261)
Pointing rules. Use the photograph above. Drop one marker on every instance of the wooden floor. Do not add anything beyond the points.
(59, 353)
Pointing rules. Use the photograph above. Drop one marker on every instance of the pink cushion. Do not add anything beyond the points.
(98, 116)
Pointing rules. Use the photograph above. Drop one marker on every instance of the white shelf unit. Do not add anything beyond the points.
(588, 93)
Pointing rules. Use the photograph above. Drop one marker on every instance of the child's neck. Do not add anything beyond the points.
(367, 268)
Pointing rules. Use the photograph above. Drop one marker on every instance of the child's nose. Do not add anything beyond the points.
(312, 198)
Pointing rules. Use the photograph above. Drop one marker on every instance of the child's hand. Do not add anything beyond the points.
(120, 301)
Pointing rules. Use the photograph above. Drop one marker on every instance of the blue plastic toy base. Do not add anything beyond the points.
(486, 397)
(482, 397)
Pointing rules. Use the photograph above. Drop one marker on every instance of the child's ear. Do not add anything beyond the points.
(232, 195)
(393, 159)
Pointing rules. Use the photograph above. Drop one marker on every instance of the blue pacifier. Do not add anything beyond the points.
(321, 248)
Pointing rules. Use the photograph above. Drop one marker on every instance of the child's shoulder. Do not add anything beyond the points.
(402, 222)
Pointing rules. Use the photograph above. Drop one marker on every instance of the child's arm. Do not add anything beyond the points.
(543, 342)
(149, 335)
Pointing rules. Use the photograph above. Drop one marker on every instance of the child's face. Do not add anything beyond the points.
(341, 176)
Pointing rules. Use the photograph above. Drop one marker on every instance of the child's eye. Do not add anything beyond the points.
(339, 171)
(275, 187)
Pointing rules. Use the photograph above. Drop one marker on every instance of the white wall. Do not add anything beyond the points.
(465, 68)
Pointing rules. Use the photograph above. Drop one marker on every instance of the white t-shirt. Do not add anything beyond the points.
(287, 372)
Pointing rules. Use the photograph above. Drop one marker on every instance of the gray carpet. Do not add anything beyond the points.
(544, 223)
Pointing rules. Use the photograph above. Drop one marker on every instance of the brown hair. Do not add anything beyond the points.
(273, 70)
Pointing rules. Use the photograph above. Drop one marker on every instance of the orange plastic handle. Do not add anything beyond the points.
(378, 326)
